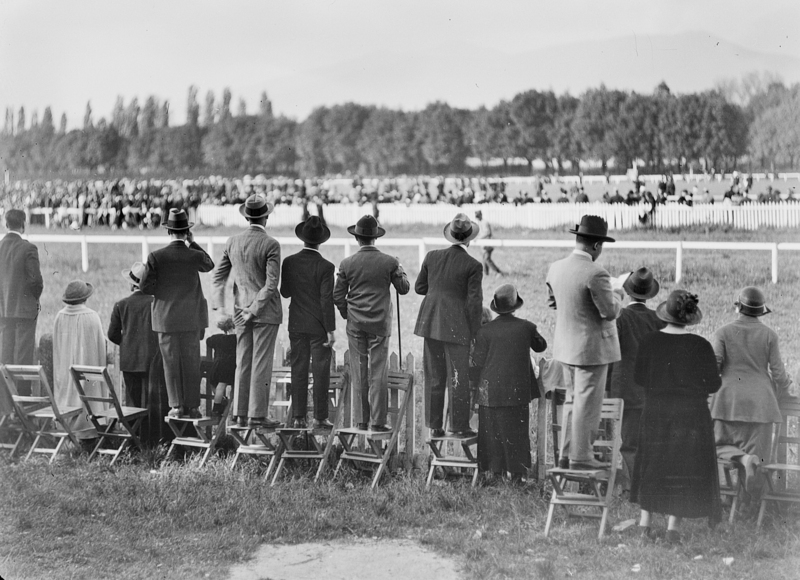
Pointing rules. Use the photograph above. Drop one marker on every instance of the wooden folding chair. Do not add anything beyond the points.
(729, 486)
(10, 427)
(112, 421)
(608, 444)
(40, 418)
(202, 432)
(453, 464)
(381, 444)
(262, 441)
(321, 441)
(785, 465)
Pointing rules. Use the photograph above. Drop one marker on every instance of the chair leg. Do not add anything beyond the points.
(235, 459)
(278, 470)
(272, 463)
(474, 477)
(206, 455)
(603, 520)
(338, 466)
(550, 511)
(761, 511)
(59, 445)
(430, 475)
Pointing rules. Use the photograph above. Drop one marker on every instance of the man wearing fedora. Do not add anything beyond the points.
(585, 339)
(307, 279)
(131, 328)
(180, 311)
(254, 258)
(21, 286)
(634, 321)
(363, 296)
(449, 319)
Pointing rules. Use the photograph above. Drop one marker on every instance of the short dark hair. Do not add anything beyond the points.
(365, 239)
(586, 240)
(15, 219)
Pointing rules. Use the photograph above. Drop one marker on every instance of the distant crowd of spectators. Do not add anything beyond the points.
(142, 203)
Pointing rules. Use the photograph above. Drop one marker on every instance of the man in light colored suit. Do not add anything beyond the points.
(254, 257)
(585, 339)
(362, 295)
(20, 288)
(449, 320)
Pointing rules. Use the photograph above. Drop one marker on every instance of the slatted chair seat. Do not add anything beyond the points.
(380, 444)
(321, 440)
(40, 419)
(113, 422)
(263, 441)
(781, 486)
(598, 483)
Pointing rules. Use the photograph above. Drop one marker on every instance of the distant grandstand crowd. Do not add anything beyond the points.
(141, 203)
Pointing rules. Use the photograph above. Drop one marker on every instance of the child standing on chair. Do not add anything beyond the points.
(223, 366)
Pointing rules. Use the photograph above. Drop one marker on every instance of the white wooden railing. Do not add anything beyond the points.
(423, 244)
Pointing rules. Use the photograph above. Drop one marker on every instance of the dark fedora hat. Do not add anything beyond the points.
(313, 231)
(752, 302)
(256, 206)
(178, 220)
(77, 292)
(592, 226)
(366, 227)
(641, 284)
(681, 308)
(506, 299)
(461, 230)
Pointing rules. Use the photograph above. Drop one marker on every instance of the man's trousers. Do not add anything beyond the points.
(304, 347)
(446, 365)
(369, 375)
(181, 354)
(255, 349)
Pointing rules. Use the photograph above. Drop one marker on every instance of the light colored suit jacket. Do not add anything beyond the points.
(586, 306)
(362, 292)
(254, 257)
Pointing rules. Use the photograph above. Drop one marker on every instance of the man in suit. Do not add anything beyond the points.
(254, 258)
(131, 327)
(180, 311)
(307, 278)
(449, 320)
(585, 339)
(634, 321)
(362, 295)
(21, 286)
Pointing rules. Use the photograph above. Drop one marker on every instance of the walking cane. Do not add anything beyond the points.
(399, 336)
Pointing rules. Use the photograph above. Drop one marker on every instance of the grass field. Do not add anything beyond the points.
(144, 520)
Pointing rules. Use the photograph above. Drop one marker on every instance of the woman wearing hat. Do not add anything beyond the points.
(506, 386)
(77, 340)
(754, 383)
(675, 470)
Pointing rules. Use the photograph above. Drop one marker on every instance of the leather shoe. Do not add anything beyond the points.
(465, 434)
(263, 423)
(194, 413)
(563, 463)
(241, 421)
(380, 428)
(587, 465)
(750, 464)
(361, 426)
(175, 413)
(322, 424)
(437, 433)
(299, 423)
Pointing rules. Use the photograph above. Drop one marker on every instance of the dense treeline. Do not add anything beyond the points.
(704, 131)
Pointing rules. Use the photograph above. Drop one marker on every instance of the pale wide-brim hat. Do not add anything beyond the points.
(461, 230)
(134, 275)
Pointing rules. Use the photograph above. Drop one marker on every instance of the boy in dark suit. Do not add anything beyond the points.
(180, 311)
(131, 328)
(449, 319)
(21, 286)
(307, 278)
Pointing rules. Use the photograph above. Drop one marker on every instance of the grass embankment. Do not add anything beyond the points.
(85, 520)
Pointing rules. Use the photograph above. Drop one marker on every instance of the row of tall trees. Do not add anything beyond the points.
(663, 130)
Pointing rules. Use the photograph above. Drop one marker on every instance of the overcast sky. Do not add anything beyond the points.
(63, 53)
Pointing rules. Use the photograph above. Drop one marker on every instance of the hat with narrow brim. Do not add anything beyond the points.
(178, 221)
(366, 227)
(506, 299)
(592, 226)
(680, 308)
(77, 292)
(134, 275)
(313, 231)
(752, 302)
(461, 230)
(255, 207)
(641, 284)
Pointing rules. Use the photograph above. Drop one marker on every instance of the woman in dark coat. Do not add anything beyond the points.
(506, 386)
(675, 470)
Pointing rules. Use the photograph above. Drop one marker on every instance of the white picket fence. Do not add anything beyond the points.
(533, 216)
(424, 244)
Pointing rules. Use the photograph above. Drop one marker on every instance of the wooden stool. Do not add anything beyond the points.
(449, 463)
